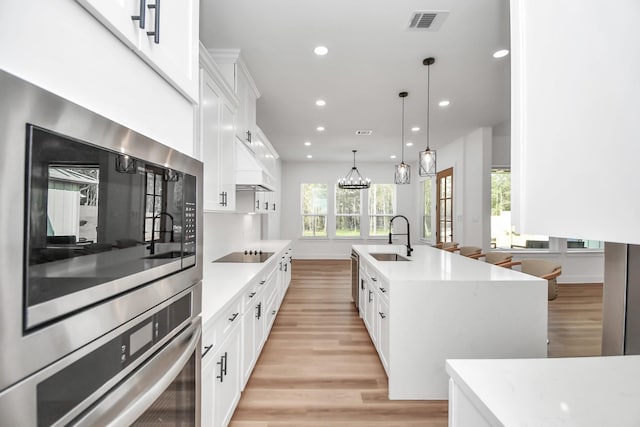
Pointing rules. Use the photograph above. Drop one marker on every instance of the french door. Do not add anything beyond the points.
(444, 206)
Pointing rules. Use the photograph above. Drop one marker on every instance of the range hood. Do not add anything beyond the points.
(250, 174)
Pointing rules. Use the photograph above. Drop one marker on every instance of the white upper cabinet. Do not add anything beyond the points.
(237, 74)
(163, 33)
(217, 138)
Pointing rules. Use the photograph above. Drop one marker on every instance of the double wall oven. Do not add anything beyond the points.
(100, 253)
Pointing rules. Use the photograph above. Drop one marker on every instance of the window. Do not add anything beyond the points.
(314, 210)
(348, 211)
(502, 232)
(382, 207)
(426, 209)
(584, 244)
(444, 206)
(153, 206)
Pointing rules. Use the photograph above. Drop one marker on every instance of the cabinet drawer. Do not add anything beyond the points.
(226, 320)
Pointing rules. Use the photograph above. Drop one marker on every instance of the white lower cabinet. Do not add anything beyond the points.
(382, 334)
(221, 376)
(370, 310)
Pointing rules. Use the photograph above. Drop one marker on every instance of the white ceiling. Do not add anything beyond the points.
(372, 57)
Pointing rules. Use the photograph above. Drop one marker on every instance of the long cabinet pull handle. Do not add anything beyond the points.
(257, 204)
(266, 206)
(362, 284)
(206, 349)
(383, 289)
(222, 199)
(221, 376)
(224, 369)
(274, 206)
(141, 17)
(285, 267)
(156, 31)
(252, 294)
(382, 314)
(233, 317)
(370, 293)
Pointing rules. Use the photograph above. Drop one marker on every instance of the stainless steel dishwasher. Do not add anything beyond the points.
(355, 270)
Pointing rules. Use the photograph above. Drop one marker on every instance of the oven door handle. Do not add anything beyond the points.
(132, 398)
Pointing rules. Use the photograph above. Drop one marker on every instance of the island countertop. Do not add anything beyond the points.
(427, 264)
(583, 391)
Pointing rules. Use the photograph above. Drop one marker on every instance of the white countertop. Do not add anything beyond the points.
(586, 391)
(432, 264)
(221, 281)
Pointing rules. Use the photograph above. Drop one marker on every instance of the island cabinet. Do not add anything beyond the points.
(439, 305)
(165, 35)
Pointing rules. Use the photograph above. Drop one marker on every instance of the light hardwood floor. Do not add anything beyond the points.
(319, 367)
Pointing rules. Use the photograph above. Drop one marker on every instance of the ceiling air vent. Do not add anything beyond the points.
(364, 132)
(427, 20)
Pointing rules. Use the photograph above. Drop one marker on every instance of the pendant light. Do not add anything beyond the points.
(427, 158)
(403, 170)
(353, 180)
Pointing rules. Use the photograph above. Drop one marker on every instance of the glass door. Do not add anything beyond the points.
(444, 206)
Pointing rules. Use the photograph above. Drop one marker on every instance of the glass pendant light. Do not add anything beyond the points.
(403, 170)
(427, 158)
(353, 180)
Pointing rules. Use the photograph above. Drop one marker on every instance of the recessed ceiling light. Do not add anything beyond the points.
(444, 103)
(321, 50)
(409, 144)
(309, 156)
(307, 143)
(415, 129)
(321, 103)
(393, 156)
(500, 53)
(320, 128)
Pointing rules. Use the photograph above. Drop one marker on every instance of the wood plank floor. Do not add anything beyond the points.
(319, 367)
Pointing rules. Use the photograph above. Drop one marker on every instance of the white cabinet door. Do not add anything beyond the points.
(248, 346)
(227, 374)
(175, 55)
(370, 310)
(227, 165)
(383, 332)
(217, 150)
(208, 377)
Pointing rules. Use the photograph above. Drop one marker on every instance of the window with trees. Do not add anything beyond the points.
(427, 232)
(348, 211)
(314, 210)
(382, 207)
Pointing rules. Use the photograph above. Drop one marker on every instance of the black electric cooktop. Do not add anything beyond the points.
(246, 256)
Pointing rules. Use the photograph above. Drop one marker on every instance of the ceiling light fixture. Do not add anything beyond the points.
(409, 144)
(427, 158)
(444, 103)
(353, 180)
(501, 53)
(321, 103)
(403, 170)
(321, 50)
(307, 143)
(393, 156)
(309, 156)
(415, 129)
(320, 128)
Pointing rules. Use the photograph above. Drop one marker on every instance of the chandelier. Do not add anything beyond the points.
(353, 180)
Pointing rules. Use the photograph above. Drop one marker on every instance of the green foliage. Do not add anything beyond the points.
(500, 192)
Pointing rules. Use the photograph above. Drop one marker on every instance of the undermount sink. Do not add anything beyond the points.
(165, 255)
(388, 257)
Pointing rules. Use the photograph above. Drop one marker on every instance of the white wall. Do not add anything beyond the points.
(575, 107)
(501, 149)
(296, 173)
(59, 46)
(228, 232)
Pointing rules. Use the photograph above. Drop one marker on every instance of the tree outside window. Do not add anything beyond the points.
(382, 207)
(348, 211)
(314, 210)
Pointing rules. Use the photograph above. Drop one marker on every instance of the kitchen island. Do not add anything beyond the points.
(436, 305)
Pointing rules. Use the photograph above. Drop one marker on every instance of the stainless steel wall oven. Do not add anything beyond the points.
(100, 251)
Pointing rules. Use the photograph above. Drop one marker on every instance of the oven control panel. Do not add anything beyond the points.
(190, 215)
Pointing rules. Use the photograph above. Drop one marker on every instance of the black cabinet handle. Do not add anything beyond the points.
(249, 136)
(206, 349)
(374, 279)
(257, 204)
(221, 376)
(224, 366)
(252, 294)
(362, 284)
(285, 267)
(274, 207)
(141, 18)
(266, 206)
(233, 317)
(382, 314)
(259, 311)
(262, 282)
(156, 31)
(223, 198)
(273, 312)
(370, 293)
(383, 289)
